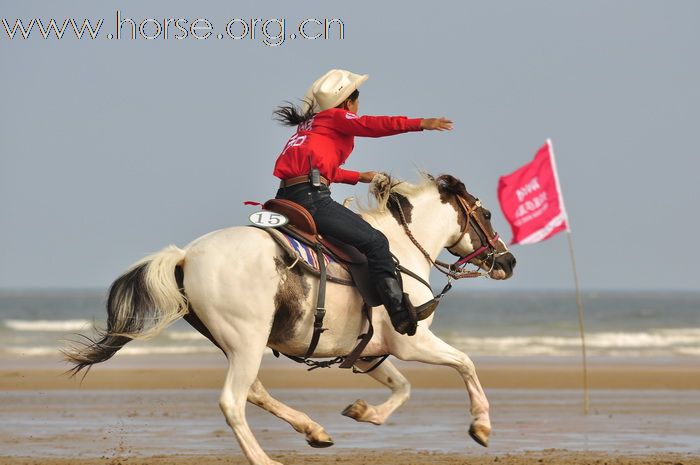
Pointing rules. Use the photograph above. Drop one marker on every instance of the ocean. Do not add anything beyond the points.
(482, 323)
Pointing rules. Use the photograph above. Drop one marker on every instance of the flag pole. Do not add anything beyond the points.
(579, 304)
(579, 301)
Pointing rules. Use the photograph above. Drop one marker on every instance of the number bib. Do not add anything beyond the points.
(268, 219)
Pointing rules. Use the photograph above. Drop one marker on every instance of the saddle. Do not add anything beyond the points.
(302, 224)
(302, 227)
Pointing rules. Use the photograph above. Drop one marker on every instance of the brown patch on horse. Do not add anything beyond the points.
(449, 188)
(289, 300)
(396, 201)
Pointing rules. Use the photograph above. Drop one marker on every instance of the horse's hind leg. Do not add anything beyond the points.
(389, 376)
(316, 436)
(244, 351)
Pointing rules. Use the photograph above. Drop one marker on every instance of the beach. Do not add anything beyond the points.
(164, 410)
(156, 402)
(527, 157)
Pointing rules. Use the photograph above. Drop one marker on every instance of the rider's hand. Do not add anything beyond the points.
(436, 124)
(367, 176)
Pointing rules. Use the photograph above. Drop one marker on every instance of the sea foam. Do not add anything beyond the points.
(48, 325)
(651, 343)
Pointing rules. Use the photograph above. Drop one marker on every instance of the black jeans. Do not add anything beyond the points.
(333, 219)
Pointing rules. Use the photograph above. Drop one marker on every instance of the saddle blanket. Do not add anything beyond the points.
(306, 253)
(307, 257)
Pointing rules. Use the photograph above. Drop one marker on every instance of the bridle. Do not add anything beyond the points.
(489, 244)
(457, 269)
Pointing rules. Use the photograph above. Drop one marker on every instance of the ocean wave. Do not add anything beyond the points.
(695, 351)
(161, 350)
(657, 342)
(185, 336)
(153, 350)
(47, 325)
(683, 342)
(31, 351)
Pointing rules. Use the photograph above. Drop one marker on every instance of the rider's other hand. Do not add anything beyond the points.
(436, 124)
(367, 176)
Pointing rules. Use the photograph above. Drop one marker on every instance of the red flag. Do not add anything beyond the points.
(531, 199)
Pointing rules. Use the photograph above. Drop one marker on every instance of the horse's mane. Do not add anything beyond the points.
(384, 186)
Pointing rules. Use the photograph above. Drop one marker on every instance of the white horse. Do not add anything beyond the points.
(244, 289)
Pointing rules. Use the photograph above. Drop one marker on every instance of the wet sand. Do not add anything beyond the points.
(364, 457)
(136, 411)
(163, 372)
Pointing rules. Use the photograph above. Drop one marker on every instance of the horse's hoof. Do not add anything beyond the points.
(360, 411)
(319, 438)
(480, 434)
(321, 444)
(356, 410)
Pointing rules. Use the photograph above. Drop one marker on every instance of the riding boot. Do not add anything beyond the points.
(393, 299)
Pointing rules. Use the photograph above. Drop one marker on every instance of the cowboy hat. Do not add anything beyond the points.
(331, 89)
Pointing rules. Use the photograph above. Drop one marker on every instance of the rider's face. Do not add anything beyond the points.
(353, 105)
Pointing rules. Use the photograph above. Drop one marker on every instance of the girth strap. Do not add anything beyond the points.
(352, 357)
(320, 302)
(349, 360)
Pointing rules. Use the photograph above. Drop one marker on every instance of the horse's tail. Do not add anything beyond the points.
(141, 302)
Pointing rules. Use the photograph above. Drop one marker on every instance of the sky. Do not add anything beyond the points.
(112, 149)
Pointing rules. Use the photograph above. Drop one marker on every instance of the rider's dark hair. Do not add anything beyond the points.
(353, 96)
(291, 115)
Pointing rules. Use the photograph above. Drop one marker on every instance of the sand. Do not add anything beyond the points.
(159, 372)
(553, 457)
(142, 411)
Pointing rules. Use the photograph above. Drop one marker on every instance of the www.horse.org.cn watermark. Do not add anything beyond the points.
(271, 31)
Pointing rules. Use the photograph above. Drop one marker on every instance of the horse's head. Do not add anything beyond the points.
(476, 242)
(452, 217)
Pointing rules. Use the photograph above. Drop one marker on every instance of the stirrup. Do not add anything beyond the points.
(425, 310)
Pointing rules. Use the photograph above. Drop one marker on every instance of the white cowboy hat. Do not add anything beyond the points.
(331, 89)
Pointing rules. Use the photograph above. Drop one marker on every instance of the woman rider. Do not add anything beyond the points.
(327, 125)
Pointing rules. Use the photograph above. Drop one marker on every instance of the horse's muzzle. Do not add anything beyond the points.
(504, 263)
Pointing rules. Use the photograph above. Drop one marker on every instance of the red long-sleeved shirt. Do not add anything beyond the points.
(327, 139)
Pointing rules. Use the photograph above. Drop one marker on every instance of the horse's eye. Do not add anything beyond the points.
(487, 215)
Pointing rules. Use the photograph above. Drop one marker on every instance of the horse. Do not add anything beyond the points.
(247, 294)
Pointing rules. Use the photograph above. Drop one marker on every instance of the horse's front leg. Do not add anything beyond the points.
(389, 376)
(316, 436)
(428, 348)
